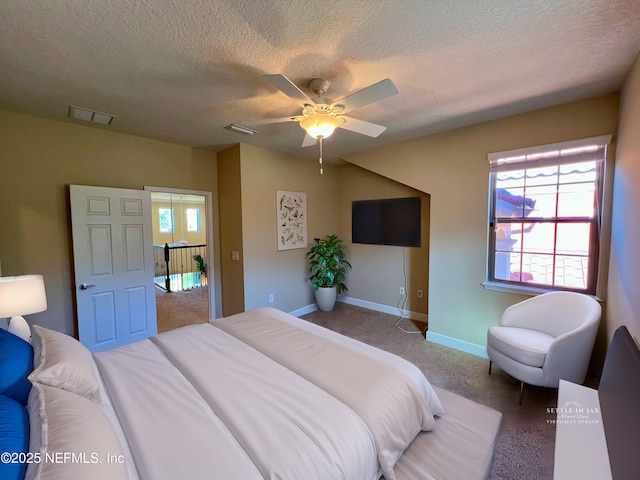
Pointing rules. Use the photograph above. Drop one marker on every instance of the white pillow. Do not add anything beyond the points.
(61, 361)
(73, 437)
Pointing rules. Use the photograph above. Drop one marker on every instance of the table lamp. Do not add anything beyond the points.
(21, 295)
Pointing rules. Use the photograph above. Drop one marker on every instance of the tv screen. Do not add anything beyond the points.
(392, 221)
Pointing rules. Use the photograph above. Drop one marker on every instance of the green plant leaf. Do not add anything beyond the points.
(327, 263)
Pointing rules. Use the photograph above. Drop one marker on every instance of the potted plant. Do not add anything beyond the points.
(201, 266)
(327, 265)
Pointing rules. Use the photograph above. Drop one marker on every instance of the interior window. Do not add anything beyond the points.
(165, 216)
(193, 219)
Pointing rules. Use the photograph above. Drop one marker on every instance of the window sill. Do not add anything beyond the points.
(522, 289)
(519, 289)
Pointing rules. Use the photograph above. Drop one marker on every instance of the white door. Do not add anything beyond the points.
(113, 258)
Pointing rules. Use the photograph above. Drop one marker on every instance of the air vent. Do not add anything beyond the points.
(241, 129)
(87, 115)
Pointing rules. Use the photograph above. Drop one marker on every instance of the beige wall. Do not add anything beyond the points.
(379, 270)
(38, 160)
(452, 167)
(266, 269)
(623, 300)
(248, 180)
(230, 212)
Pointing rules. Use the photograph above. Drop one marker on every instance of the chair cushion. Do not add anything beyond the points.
(526, 346)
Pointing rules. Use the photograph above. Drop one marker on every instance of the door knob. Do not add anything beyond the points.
(84, 286)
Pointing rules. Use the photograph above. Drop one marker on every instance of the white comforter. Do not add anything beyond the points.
(198, 403)
(391, 395)
(265, 395)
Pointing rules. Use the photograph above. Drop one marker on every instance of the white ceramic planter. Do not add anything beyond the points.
(326, 298)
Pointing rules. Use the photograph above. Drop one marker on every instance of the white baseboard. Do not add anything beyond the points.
(463, 345)
(304, 310)
(378, 307)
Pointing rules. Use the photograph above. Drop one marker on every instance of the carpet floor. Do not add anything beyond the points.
(525, 444)
(177, 309)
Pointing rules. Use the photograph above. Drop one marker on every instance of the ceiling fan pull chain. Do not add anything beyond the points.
(320, 160)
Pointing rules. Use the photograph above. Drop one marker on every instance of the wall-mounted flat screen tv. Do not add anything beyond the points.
(392, 221)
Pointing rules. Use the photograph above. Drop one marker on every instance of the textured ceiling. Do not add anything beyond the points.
(180, 70)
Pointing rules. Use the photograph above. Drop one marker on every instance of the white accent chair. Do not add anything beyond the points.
(546, 338)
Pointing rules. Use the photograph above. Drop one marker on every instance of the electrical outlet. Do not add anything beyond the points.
(419, 293)
(401, 290)
(271, 298)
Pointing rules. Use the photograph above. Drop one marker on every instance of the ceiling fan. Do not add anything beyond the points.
(321, 115)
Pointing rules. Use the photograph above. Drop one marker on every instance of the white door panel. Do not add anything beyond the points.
(113, 255)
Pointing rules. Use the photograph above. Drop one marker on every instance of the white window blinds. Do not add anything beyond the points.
(575, 151)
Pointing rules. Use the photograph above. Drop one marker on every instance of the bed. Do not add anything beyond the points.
(256, 395)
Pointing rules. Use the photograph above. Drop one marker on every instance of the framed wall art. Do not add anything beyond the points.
(292, 219)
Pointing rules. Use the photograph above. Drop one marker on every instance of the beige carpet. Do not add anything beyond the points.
(525, 444)
(177, 309)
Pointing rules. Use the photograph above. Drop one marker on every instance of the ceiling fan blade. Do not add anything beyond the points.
(360, 126)
(378, 91)
(289, 88)
(308, 140)
(264, 121)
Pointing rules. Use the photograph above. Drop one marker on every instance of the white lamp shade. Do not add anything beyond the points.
(22, 295)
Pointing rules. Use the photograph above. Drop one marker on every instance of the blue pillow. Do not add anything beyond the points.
(14, 438)
(16, 363)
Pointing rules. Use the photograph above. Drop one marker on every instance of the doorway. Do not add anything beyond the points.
(183, 256)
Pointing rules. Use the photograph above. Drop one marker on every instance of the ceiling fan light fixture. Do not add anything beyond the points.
(320, 125)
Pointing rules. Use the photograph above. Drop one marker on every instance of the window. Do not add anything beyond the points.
(193, 219)
(545, 208)
(165, 215)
